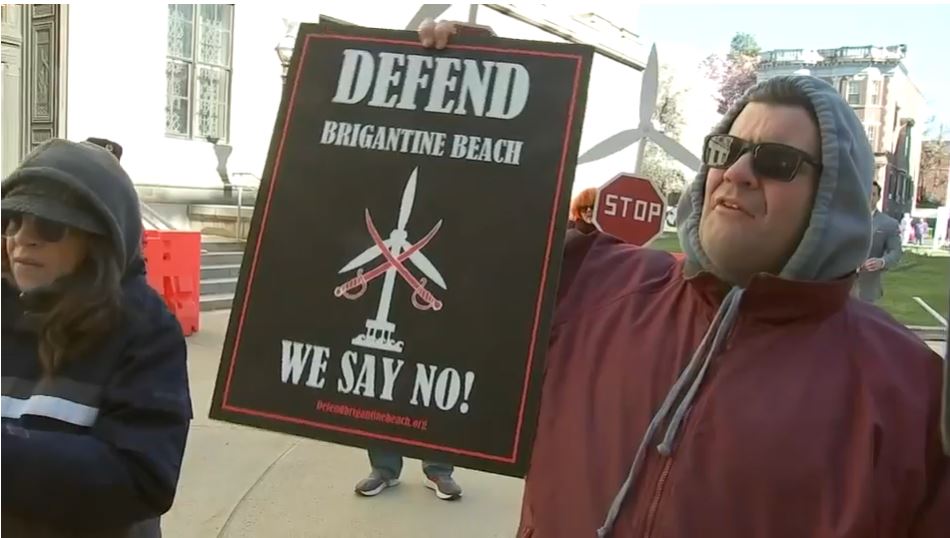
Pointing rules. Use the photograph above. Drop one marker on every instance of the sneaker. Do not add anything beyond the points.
(444, 487)
(374, 484)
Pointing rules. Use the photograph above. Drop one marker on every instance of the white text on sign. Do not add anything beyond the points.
(642, 210)
(382, 138)
(358, 374)
(447, 85)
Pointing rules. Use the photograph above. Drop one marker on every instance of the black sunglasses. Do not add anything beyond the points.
(49, 231)
(769, 159)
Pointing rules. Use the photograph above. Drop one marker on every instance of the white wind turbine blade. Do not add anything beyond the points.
(419, 260)
(365, 257)
(408, 195)
(427, 11)
(648, 89)
(675, 149)
(611, 145)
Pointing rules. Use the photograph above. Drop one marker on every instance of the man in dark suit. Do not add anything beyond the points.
(885, 251)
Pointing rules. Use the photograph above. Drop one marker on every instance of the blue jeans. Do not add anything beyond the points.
(389, 464)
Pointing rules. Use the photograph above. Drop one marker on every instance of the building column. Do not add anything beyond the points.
(11, 114)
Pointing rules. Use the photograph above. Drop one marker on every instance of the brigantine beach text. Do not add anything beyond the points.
(435, 84)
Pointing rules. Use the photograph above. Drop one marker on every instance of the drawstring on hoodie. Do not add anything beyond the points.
(728, 320)
(721, 325)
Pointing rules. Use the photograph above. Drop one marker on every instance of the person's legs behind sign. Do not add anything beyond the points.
(439, 480)
(387, 467)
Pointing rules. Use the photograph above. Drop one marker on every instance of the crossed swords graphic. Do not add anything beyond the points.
(395, 251)
(422, 298)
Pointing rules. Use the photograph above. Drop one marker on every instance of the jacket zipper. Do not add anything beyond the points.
(658, 493)
(668, 464)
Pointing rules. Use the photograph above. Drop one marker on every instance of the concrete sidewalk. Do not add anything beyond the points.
(242, 482)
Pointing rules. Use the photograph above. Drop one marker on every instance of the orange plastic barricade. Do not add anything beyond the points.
(173, 265)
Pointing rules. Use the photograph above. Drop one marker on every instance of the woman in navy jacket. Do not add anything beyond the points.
(96, 404)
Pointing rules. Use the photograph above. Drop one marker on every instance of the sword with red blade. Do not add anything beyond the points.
(422, 298)
(362, 279)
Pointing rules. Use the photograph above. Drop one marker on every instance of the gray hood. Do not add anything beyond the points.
(839, 233)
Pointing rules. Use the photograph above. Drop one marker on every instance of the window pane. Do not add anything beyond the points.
(211, 112)
(214, 37)
(178, 97)
(875, 92)
(181, 30)
(854, 93)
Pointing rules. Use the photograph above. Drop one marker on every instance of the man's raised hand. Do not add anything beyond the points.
(436, 35)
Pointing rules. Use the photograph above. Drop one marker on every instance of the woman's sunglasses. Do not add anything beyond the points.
(769, 159)
(49, 231)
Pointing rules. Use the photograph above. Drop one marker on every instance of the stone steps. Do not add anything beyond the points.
(220, 266)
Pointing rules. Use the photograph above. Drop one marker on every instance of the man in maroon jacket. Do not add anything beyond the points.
(740, 392)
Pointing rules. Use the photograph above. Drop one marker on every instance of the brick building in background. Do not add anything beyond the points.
(934, 187)
(876, 84)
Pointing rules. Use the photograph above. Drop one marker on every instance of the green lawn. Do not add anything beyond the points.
(668, 242)
(921, 276)
(917, 275)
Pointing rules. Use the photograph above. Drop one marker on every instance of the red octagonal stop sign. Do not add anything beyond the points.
(630, 208)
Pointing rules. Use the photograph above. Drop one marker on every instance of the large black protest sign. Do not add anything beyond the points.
(404, 253)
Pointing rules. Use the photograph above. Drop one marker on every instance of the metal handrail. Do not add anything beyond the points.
(239, 222)
(247, 174)
(153, 219)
